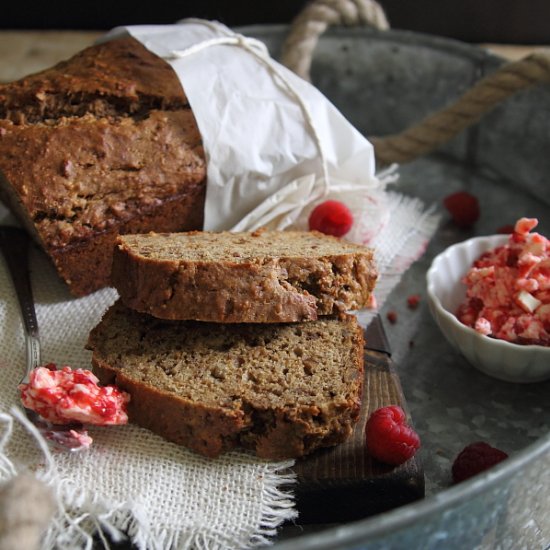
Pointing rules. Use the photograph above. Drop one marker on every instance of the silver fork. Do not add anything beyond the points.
(14, 244)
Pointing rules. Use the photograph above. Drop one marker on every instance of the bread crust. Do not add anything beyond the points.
(269, 288)
(75, 261)
(209, 431)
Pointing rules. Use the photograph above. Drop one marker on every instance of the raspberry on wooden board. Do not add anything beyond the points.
(389, 438)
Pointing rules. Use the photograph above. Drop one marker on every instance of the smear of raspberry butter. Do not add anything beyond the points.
(64, 396)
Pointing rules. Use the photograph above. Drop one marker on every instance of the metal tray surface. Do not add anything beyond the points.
(385, 82)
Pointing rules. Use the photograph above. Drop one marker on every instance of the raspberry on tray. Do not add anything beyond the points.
(474, 459)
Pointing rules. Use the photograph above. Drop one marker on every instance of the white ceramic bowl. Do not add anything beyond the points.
(497, 358)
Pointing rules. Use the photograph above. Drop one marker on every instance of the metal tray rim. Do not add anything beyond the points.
(403, 517)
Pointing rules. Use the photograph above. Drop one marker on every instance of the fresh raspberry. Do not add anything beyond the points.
(389, 438)
(413, 300)
(463, 207)
(331, 218)
(392, 316)
(474, 459)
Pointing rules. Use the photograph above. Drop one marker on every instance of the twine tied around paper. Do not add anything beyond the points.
(259, 50)
(437, 128)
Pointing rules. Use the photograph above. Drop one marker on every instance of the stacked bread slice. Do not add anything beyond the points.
(228, 340)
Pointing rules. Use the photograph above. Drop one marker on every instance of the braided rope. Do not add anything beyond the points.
(314, 20)
(437, 128)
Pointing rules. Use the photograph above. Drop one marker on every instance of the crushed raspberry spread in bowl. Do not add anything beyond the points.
(508, 289)
(65, 396)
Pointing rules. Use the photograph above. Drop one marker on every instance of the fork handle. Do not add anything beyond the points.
(14, 243)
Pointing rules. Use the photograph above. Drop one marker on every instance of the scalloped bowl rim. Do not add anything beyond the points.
(482, 243)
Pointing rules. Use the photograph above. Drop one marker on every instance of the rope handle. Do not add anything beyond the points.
(314, 20)
(437, 128)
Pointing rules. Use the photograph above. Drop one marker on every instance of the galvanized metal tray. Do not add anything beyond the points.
(384, 82)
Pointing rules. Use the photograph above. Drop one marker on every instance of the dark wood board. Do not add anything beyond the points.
(345, 483)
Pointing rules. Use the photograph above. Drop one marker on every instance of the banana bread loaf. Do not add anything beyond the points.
(282, 390)
(101, 144)
(259, 277)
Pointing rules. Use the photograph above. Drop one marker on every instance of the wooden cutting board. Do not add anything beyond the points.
(345, 483)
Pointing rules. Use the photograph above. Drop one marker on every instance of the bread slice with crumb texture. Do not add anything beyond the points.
(258, 277)
(281, 390)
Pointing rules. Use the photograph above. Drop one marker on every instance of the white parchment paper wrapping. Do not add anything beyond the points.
(271, 139)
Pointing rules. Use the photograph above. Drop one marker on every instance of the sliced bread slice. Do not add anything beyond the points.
(281, 390)
(259, 277)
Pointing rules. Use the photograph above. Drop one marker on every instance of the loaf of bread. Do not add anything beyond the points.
(281, 390)
(259, 277)
(102, 144)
